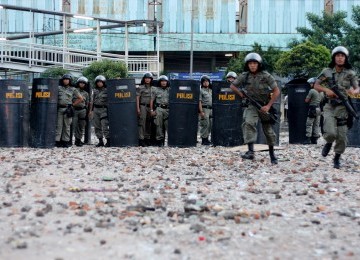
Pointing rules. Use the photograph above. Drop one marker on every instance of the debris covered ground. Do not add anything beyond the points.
(178, 203)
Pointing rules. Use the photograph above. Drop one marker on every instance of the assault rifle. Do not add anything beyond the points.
(344, 100)
(272, 114)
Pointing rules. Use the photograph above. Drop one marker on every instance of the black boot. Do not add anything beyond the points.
(66, 144)
(58, 144)
(78, 142)
(307, 140)
(205, 141)
(250, 155)
(101, 143)
(273, 158)
(314, 140)
(160, 142)
(107, 142)
(337, 161)
(326, 149)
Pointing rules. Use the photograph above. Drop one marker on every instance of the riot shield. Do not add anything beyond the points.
(43, 112)
(227, 116)
(183, 113)
(123, 125)
(14, 113)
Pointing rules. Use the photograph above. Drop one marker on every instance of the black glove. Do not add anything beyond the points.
(69, 112)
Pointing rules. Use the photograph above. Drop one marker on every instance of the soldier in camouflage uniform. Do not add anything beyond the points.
(143, 96)
(81, 110)
(335, 113)
(100, 111)
(313, 119)
(205, 109)
(160, 100)
(262, 87)
(67, 98)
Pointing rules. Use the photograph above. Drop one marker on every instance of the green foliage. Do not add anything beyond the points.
(328, 29)
(304, 60)
(269, 57)
(108, 68)
(353, 38)
(55, 73)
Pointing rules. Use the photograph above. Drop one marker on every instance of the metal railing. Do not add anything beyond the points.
(46, 56)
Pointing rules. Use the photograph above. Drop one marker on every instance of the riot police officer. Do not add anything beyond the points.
(81, 110)
(336, 116)
(160, 100)
(143, 96)
(261, 87)
(313, 119)
(67, 98)
(231, 76)
(100, 111)
(205, 109)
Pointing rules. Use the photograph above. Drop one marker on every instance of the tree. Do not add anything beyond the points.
(352, 39)
(54, 73)
(304, 60)
(108, 68)
(269, 57)
(328, 30)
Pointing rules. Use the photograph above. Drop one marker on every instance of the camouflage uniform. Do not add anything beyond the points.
(335, 114)
(101, 121)
(161, 97)
(206, 121)
(80, 112)
(313, 119)
(258, 86)
(65, 98)
(144, 95)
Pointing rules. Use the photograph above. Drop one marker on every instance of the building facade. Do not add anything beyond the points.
(213, 29)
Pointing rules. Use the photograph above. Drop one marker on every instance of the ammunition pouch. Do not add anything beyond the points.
(69, 112)
(312, 113)
(341, 121)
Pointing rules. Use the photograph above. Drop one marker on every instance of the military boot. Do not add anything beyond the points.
(101, 143)
(314, 140)
(160, 142)
(58, 144)
(337, 161)
(107, 142)
(78, 142)
(249, 155)
(326, 149)
(66, 144)
(205, 141)
(273, 158)
(307, 140)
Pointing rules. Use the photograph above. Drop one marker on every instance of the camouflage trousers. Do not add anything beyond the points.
(335, 130)
(161, 122)
(101, 123)
(313, 125)
(206, 123)
(251, 117)
(63, 126)
(79, 123)
(144, 123)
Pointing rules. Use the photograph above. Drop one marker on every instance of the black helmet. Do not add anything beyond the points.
(67, 76)
(100, 78)
(205, 77)
(163, 78)
(147, 75)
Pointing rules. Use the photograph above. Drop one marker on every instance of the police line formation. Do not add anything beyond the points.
(232, 112)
